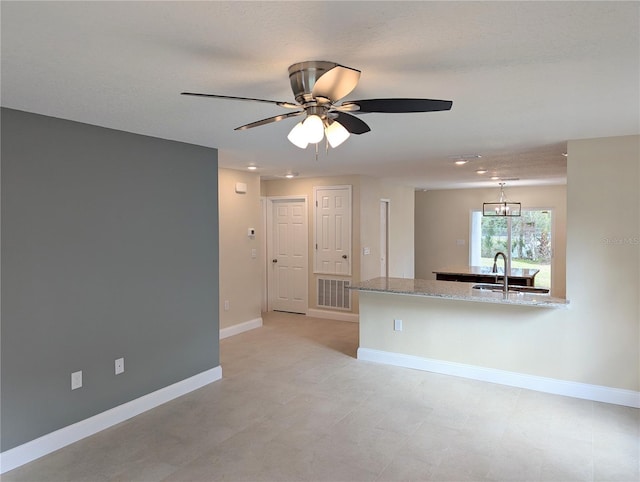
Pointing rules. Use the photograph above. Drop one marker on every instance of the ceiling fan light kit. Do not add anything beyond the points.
(317, 85)
(313, 129)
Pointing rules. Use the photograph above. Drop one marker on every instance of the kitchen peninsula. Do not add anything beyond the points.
(456, 291)
(589, 349)
(453, 328)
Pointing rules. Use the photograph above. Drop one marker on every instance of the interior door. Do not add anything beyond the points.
(289, 258)
(333, 230)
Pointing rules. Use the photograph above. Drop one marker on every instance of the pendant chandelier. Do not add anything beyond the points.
(502, 207)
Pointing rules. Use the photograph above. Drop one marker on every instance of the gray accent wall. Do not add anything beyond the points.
(109, 249)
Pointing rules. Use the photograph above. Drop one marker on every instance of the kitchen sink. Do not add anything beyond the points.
(516, 288)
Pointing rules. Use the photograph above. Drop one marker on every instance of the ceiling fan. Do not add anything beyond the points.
(317, 86)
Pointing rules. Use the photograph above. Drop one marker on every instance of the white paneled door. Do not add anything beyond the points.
(288, 278)
(333, 230)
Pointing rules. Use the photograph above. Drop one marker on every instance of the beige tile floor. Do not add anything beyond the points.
(295, 405)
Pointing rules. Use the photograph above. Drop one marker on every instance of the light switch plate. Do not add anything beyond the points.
(397, 325)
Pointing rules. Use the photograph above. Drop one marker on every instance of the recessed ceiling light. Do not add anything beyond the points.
(252, 168)
(291, 175)
(481, 171)
(462, 159)
(466, 156)
(495, 178)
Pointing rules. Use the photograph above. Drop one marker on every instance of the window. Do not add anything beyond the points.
(529, 235)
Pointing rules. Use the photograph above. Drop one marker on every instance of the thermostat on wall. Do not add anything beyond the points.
(241, 187)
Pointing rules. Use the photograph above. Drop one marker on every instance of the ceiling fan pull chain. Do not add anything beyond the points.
(316, 152)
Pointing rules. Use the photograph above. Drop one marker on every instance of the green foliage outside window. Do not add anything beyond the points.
(530, 236)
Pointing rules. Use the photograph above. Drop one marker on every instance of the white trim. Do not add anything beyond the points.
(264, 303)
(385, 236)
(27, 452)
(240, 328)
(598, 393)
(333, 315)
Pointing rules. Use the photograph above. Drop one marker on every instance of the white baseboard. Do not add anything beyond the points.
(598, 393)
(22, 454)
(333, 315)
(240, 328)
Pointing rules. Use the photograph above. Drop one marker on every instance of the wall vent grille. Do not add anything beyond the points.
(334, 293)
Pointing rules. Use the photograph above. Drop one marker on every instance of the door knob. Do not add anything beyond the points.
(274, 260)
(344, 256)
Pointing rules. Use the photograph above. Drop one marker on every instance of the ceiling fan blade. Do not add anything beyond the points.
(286, 105)
(269, 120)
(336, 83)
(398, 105)
(352, 123)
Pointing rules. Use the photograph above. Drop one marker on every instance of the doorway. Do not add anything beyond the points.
(384, 238)
(287, 254)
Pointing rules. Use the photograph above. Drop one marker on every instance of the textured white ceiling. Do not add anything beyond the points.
(524, 78)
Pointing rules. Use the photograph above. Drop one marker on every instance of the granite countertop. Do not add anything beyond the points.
(457, 291)
(486, 270)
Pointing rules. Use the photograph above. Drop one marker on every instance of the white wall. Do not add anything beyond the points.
(401, 223)
(603, 257)
(596, 340)
(240, 273)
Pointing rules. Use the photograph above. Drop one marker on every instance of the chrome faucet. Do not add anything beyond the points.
(495, 270)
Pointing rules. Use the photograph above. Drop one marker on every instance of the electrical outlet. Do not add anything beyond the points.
(76, 380)
(119, 366)
(226, 305)
(397, 325)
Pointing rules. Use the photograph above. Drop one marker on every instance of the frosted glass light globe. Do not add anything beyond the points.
(336, 134)
(298, 136)
(314, 127)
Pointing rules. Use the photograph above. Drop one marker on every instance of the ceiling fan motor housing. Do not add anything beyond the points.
(303, 77)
